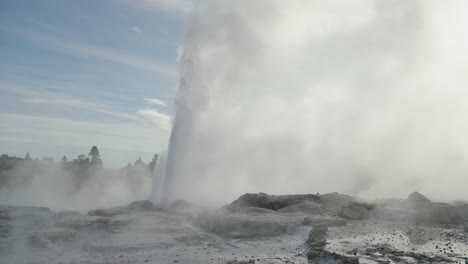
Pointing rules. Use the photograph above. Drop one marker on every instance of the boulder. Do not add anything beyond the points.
(317, 236)
(335, 202)
(356, 211)
(417, 198)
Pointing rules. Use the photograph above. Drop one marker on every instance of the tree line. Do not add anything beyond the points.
(19, 171)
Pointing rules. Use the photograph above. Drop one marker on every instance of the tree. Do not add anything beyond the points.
(80, 170)
(153, 163)
(27, 157)
(65, 164)
(139, 161)
(95, 157)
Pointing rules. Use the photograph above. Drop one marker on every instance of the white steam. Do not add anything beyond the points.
(365, 97)
(52, 186)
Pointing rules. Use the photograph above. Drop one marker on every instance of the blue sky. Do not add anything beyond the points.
(74, 74)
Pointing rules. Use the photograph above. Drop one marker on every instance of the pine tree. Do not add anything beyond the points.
(153, 163)
(139, 161)
(95, 157)
(27, 157)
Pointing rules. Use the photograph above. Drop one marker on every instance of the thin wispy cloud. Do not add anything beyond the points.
(161, 120)
(40, 96)
(155, 101)
(137, 30)
(70, 102)
(9, 88)
(80, 49)
(182, 7)
(59, 131)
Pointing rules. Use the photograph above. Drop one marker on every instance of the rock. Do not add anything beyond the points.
(106, 212)
(179, 204)
(135, 207)
(317, 241)
(397, 255)
(5, 223)
(239, 225)
(335, 202)
(356, 211)
(317, 234)
(37, 241)
(459, 202)
(25, 219)
(427, 212)
(235, 261)
(141, 206)
(392, 215)
(310, 204)
(312, 208)
(272, 202)
(44, 238)
(59, 235)
(248, 210)
(441, 214)
(88, 223)
(326, 257)
(417, 198)
(328, 221)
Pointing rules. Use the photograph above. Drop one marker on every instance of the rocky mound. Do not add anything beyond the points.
(429, 212)
(417, 198)
(270, 215)
(135, 207)
(273, 202)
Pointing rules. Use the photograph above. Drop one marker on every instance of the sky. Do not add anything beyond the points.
(74, 74)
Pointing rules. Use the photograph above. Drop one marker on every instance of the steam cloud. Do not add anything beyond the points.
(365, 97)
(38, 183)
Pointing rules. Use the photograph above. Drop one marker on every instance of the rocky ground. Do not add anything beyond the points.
(256, 228)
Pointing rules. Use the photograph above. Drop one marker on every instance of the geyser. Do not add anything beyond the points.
(364, 97)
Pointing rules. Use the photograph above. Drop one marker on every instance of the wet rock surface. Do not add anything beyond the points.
(256, 228)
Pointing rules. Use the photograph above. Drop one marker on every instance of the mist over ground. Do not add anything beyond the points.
(365, 98)
(80, 184)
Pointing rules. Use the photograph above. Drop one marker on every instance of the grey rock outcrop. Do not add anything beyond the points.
(356, 211)
(270, 215)
(272, 202)
(135, 207)
(427, 212)
(241, 225)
